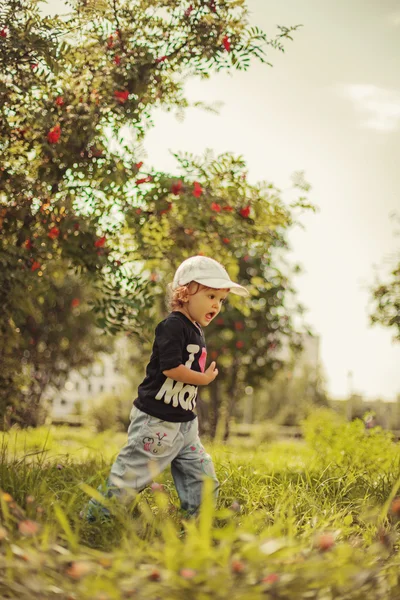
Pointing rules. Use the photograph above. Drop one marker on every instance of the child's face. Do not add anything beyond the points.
(204, 305)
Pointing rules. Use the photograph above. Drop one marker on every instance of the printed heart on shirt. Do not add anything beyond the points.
(202, 360)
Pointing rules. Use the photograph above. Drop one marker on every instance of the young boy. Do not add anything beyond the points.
(163, 429)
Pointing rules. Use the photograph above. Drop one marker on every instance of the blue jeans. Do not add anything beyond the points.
(152, 445)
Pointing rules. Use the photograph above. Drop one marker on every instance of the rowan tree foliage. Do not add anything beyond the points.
(76, 96)
(386, 302)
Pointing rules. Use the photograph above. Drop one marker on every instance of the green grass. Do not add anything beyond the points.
(263, 540)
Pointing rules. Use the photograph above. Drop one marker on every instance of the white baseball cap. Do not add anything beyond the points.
(206, 271)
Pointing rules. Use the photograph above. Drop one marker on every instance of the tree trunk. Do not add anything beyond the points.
(232, 397)
(202, 414)
(214, 395)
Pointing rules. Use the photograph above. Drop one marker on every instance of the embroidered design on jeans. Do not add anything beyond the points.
(153, 446)
(205, 459)
(147, 441)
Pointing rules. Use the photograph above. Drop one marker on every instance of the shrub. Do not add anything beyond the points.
(110, 411)
(348, 444)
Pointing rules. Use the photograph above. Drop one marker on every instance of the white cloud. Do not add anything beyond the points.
(380, 106)
(394, 19)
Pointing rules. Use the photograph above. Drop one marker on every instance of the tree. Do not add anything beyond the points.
(212, 209)
(297, 389)
(76, 96)
(59, 335)
(385, 308)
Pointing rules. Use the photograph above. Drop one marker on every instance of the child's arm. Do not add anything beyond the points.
(186, 375)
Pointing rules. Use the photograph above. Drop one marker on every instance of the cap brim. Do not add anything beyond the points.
(223, 284)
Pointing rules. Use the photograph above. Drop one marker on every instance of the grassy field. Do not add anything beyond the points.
(313, 519)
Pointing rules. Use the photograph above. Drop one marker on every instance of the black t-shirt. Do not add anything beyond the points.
(177, 341)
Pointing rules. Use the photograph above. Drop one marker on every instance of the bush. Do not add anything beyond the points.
(348, 444)
(110, 411)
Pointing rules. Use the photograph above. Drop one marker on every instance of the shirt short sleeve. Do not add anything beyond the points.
(170, 340)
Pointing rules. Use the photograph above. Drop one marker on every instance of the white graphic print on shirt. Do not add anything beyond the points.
(180, 393)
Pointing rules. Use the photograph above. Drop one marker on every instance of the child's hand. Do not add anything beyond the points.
(211, 373)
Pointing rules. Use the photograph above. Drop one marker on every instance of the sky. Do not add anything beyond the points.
(329, 106)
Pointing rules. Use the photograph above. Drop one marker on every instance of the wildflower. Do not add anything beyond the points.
(187, 573)
(28, 527)
(324, 541)
(235, 506)
(216, 207)
(271, 578)
(78, 569)
(155, 575)
(157, 487)
(237, 566)
(395, 506)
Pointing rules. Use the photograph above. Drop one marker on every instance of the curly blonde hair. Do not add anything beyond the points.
(176, 298)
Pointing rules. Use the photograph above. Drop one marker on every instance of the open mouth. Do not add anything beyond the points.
(210, 316)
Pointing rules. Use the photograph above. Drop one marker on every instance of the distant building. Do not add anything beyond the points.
(310, 355)
(104, 376)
